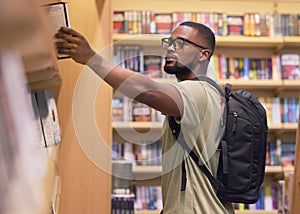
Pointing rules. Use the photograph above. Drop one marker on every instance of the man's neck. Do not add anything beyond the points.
(189, 76)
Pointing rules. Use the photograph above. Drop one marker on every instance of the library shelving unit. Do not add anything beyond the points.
(295, 206)
(82, 186)
(242, 46)
(24, 33)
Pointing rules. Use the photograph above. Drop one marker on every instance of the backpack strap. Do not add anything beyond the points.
(213, 83)
(226, 94)
(176, 130)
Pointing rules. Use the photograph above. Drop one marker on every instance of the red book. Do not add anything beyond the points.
(163, 23)
(290, 66)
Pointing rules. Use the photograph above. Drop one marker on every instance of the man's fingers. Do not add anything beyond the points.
(66, 45)
(68, 35)
(70, 31)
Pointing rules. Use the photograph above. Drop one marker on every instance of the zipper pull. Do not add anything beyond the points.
(234, 125)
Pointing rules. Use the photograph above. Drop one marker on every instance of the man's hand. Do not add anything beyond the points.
(75, 45)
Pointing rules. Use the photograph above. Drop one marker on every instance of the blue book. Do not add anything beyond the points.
(246, 68)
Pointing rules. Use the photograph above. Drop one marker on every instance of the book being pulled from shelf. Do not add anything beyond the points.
(58, 17)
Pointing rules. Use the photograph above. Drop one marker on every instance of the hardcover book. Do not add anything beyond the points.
(58, 17)
(290, 66)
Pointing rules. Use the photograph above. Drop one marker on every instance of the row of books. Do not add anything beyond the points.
(277, 67)
(248, 24)
(284, 66)
(280, 153)
(281, 109)
(144, 153)
(242, 68)
(125, 109)
(122, 204)
(273, 196)
(148, 198)
(132, 57)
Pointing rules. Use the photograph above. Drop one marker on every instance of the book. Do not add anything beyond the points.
(117, 109)
(119, 22)
(235, 25)
(121, 177)
(163, 23)
(290, 66)
(276, 114)
(49, 117)
(37, 121)
(153, 66)
(58, 17)
(140, 112)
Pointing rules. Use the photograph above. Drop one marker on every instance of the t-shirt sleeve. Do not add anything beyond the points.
(194, 99)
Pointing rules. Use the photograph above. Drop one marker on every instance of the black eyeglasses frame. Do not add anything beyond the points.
(180, 38)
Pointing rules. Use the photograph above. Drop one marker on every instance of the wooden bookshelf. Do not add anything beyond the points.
(233, 46)
(295, 206)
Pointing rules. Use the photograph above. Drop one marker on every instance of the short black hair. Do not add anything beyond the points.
(204, 32)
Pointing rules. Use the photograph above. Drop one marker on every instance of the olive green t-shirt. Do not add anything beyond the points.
(201, 123)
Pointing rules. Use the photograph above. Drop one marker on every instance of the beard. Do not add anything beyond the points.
(176, 69)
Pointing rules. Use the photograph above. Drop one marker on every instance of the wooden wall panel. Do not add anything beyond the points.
(85, 187)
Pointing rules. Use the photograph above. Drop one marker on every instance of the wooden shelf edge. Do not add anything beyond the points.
(136, 125)
(158, 169)
(256, 211)
(237, 212)
(221, 41)
(123, 125)
(46, 83)
(278, 169)
(253, 84)
(146, 211)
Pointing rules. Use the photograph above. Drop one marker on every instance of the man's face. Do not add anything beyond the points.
(185, 59)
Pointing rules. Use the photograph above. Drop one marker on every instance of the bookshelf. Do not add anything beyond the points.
(67, 170)
(28, 59)
(244, 46)
(296, 183)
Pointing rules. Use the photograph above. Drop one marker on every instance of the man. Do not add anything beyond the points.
(196, 105)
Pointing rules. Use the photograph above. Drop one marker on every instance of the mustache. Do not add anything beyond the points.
(170, 56)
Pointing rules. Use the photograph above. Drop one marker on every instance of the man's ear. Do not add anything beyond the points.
(204, 55)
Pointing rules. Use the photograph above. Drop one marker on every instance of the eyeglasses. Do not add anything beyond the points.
(178, 43)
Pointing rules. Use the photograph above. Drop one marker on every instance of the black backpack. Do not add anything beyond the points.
(242, 148)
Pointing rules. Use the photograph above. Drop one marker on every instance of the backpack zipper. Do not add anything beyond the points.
(234, 125)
